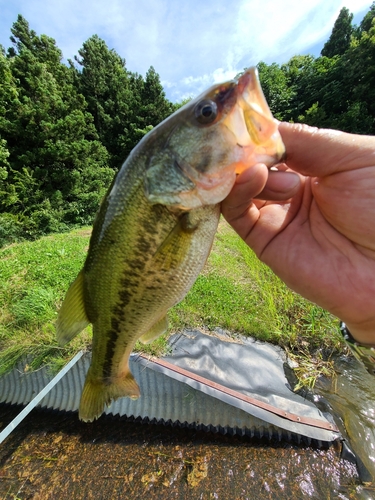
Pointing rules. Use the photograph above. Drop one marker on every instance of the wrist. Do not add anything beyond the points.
(364, 334)
(364, 352)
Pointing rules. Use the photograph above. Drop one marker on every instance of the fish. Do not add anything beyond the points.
(155, 228)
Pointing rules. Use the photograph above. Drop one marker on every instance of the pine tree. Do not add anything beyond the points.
(154, 105)
(124, 105)
(339, 41)
(8, 98)
(57, 168)
(150, 107)
(366, 22)
(104, 82)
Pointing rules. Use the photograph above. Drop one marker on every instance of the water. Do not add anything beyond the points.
(351, 396)
(52, 455)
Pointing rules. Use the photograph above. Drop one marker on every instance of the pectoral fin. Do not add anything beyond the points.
(72, 318)
(158, 329)
(174, 249)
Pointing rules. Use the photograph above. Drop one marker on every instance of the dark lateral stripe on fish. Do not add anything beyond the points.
(133, 275)
(143, 245)
(113, 334)
(111, 347)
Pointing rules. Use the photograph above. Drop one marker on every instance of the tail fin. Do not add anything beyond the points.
(96, 394)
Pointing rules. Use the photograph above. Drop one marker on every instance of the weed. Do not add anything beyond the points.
(308, 368)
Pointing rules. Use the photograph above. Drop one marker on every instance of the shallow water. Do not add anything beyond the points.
(351, 396)
(52, 455)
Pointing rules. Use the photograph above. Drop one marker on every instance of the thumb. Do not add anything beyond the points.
(321, 152)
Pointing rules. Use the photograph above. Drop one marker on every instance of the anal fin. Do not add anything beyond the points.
(72, 318)
(155, 331)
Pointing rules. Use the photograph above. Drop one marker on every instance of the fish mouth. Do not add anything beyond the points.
(252, 123)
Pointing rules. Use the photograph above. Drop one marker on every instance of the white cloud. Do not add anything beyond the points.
(272, 31)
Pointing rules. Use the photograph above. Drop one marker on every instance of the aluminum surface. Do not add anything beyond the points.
(169, 396)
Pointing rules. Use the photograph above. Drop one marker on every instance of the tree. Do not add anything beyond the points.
(150, 107)
(276, 89)
(104, 82)
(295, 71)
(366, 22)
(358, 68)
(323, 84)
(8, 98)
(339, 41)
(57, 168)
(154, 105)
(123, 104)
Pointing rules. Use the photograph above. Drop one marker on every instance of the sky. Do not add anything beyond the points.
(192, 44)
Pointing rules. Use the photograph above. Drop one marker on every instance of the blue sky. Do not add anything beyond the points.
(191, 43)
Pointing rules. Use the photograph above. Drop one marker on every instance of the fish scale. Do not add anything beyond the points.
(156, 225)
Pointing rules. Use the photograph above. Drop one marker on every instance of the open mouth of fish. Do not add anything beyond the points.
(251, 121)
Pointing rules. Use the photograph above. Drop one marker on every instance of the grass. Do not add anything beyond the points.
(34, 277)
(239, 293)
(235, 292)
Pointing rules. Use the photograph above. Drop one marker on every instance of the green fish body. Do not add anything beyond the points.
(155, 228)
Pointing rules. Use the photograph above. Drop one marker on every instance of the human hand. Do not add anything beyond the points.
(316, 229)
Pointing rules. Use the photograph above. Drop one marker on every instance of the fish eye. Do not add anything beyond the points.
(205, 111)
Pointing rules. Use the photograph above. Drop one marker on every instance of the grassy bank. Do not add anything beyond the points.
(234, 292)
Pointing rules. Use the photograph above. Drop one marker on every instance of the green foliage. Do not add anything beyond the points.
(339, 40)
(366, 22)
(336, 90)
(65, 130)
(11, 229)
(8, 95)
(276, 88)
(323, 92)
(4, 164)
(55, 169)
(295, 71)
(122, 103)
(154, 105)
(149, 107)
(104, 82)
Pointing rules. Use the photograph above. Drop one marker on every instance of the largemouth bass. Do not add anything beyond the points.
(155, 228)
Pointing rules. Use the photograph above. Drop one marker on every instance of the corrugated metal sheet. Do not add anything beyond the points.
(164, 400)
